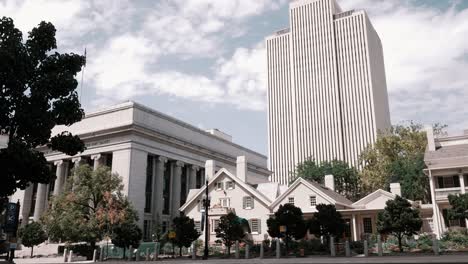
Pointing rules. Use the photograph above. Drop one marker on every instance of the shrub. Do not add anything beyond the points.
(455, 239)
(357, 247)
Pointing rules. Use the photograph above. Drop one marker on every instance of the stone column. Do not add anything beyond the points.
(435, 211)
(26, 206)
(97, 161)
(158, 182)
(60, 174)
(355, 233)
(40, 201)
(76, 163)
(193, 176)
(176, 188)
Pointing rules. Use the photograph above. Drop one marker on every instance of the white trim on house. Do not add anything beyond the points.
(296, 183)
(244, 185)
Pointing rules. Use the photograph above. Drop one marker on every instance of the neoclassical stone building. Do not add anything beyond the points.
(158, 157)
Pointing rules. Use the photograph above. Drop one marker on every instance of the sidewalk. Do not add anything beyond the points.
(462, 258)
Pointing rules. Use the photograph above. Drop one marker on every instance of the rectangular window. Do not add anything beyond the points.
(215, 225)
(229, 185)
(149, 184)
(146, 230)
(225, 202)
(248, 202)
(347, 228)
(164, 226)
(367, 221)
(198, 226)
(255, 226)
(313, 200)
(448, 182)
(219, 186)
(167, 187)
(291, 200)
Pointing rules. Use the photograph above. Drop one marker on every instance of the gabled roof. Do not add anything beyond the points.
(327, 194)
(224, 171)
(374, 195)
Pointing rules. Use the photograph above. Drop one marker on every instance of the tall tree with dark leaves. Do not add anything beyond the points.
(37, 92)
(326, 222)
(186, 233)
(292, 219)
(399, 219)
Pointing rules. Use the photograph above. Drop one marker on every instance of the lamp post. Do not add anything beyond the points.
(206, 205)
(4, 141)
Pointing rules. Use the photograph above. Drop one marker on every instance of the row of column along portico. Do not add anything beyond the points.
(63, 171)
(182, 177)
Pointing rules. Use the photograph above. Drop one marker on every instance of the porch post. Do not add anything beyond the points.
(435, 211)
(355, 235)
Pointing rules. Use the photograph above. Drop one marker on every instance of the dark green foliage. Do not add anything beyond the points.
(346, 177)
(125, 235)
(408, 171)
(230, 230)
(291, 217)
(32, 235)
(37, 92)
(326, 222)
(184, 227)
(399, 219)
(459, 205)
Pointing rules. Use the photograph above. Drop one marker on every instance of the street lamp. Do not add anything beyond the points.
(206, 205)
(4, 141)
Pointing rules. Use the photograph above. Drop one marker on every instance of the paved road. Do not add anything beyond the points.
(313, 260)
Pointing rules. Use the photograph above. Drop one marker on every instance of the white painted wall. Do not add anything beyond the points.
(260, 210)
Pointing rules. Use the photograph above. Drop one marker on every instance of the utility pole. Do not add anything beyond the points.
(206, 204)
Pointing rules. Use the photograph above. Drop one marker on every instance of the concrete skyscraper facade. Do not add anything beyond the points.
(327, 94)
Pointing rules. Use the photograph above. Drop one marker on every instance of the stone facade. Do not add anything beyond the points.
(159, 159)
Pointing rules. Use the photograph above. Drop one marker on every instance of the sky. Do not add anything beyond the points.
(204, 62)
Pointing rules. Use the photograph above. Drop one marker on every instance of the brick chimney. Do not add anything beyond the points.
(241, 168)
(395, 188)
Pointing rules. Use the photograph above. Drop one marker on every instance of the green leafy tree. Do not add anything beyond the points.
(91, 205)
(32, 235)
(37, 93)
(398, 156)
(326, 222)
(184, 227)
(292, 219)
(125, 235)
(346, 177)
(230, 229)
(399, 219)
(459, 205)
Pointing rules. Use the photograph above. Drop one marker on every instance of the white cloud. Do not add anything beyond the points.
(426, 60)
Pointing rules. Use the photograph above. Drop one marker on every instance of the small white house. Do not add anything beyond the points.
(229, 192)
(256, 202)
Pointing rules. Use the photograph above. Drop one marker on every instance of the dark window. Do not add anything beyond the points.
(183, 187)
(347, 229)
(367, 221)
(167, 187)
(146, 230)
(149, 184)
(109, 160)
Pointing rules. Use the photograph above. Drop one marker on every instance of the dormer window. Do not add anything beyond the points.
(219, 186)
(230, 185)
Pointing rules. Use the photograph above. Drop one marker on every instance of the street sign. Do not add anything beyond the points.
(172, 235)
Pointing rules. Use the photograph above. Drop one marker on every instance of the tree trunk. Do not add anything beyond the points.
(32, 248)
(229, 251)
(180, 251)
(399, 244)
(124, 252)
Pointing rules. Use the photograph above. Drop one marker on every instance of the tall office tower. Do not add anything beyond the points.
(327, 93)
